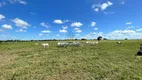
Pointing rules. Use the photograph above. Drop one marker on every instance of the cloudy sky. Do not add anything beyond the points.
(61, 19)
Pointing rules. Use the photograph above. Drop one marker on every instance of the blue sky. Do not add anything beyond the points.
(62, 19)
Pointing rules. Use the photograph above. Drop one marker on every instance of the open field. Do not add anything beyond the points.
(106, 61)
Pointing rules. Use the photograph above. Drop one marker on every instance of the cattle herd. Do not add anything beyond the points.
(77, 44)
(66, 44)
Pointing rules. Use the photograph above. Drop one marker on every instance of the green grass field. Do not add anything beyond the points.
(106, 61)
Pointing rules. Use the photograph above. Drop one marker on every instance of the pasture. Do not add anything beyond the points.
(105, 61)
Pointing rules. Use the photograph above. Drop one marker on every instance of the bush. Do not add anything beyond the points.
(83, 39)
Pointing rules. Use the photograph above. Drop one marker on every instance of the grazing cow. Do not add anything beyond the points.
(92, 43)
(118, 43)
(45, 45)
(62, 44)
(66, 44)
(76, 44)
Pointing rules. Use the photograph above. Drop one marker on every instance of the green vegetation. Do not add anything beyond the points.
(106, 61)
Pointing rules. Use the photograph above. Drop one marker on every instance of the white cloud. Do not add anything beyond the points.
(58, 35)
(105, 12)
(101, 6)
(2, 4)
(77, 34)
(58, 21)
(22, 2)
(20, 23)
(109, 12)
(40, 34)
(3, 35)
(77, 30)
(65, 21)
(95, 6)
(34, 26)
(95, 28)
(21, 30)
(117, 34)
(123, 3)
(65, 27)
(44, 24)
(93, 35)
(32, 13)
(139, 30)
(109, 3)
(1, 30)
(5, 26)
(128, 23)
(46, 31)
(93, 24)
(96, 9)
(76, 24)
(18, 1)
(88, 36)
(130, 27)
(122, 34)
(2, 16)
(105, 5)
(63, 31)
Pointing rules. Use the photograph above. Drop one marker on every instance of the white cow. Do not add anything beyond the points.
(62, 44)
(92, 43)
(45, 45)
(118, 43)
(76, 44)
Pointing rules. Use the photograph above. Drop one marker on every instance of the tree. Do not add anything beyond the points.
(126, 38)
(0, 42)
(83, 39)
(105, 39)
(99, 38)
(54, 39)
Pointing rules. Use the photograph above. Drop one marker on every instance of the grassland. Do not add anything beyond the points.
(106, 61)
